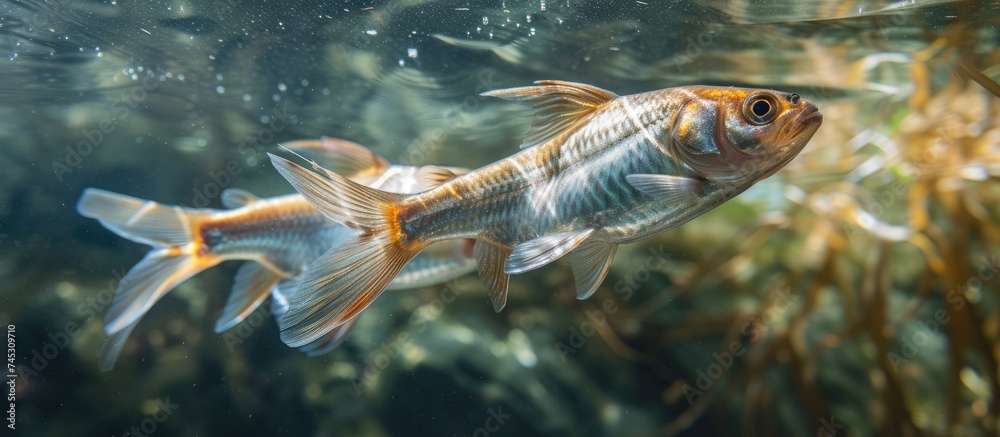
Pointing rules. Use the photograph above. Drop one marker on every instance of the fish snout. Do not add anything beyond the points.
(806, 108)
(806, 113)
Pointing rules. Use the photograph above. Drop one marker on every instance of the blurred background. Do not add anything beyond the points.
(853, 293)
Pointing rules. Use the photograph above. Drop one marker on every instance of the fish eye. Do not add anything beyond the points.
(760, 109)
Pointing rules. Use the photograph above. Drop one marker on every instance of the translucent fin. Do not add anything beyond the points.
(558, 106)
(158, 273)
(168, 229)
(468, 44)
(425, 271)
(112, 348)
(233, 198)
(341, 156)
(536, 253)
(341, 199)
(591, 262)
(666, 187)
(321, 346)
(138, 220)
(431, 176)
(253, 284)
(279, 303)
(339, 285)
(348, 277)
(491, 259)
(330, 341)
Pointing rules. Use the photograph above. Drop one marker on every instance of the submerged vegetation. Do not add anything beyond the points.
(887, 245)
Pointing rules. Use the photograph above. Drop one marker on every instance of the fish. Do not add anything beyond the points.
(597, 170)
(278, 238)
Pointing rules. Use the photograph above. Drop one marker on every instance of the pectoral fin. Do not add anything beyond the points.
(343, 157)
(591, 262)
(666, 187)
(490, 259)
(558, 106)
(536, 253)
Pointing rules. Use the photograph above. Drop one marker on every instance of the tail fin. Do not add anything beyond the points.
(325, 343)
(174, 259)
(108, 354)
(329, 341)
(347, 278)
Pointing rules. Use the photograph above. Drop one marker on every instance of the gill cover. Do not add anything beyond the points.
(721, 136)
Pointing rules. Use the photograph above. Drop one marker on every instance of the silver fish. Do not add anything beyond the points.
(599, 170)
(278, 237)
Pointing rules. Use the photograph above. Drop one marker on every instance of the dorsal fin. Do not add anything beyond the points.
(233, 198)
(558, 106)
(343, 157)
(431, 176)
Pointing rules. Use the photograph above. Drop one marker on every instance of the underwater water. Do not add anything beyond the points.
(854, 292)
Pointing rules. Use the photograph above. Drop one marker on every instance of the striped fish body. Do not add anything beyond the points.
(598, 170)
(279, 237)
(576, 183)
(284, 234)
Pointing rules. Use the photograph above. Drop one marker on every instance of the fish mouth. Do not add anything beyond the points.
(806, 124)
(798, 132)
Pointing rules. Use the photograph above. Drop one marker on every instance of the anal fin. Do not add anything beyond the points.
(491, 259)
(253, 284)
(591, 263)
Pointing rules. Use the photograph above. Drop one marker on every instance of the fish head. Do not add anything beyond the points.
(739, 135)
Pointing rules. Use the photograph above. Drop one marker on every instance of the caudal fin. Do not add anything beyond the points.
(108, 354)
(325, 343)
(329, 341)
(348, 277)
(174, 257)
